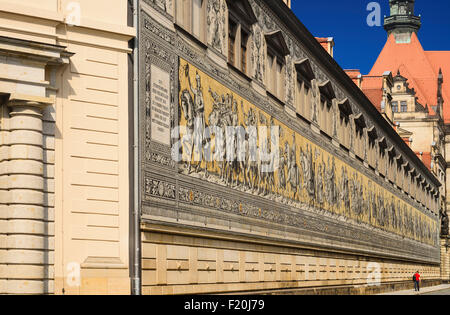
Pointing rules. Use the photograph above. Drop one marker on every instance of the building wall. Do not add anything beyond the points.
(203, 233)
(423, 132)
(445, 259)
(94, 164)
(85, 142)
(430, 143)
(182, 261)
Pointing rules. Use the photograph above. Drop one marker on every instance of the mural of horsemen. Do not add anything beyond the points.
(227, 141)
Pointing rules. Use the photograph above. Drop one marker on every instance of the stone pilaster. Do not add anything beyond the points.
(26, 263)
(4, 156)
(445, 259)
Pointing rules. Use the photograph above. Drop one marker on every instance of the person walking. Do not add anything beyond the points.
(416, 279)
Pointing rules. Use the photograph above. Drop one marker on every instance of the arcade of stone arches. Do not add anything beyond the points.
(307, 176)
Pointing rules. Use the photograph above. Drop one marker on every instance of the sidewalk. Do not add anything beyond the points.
(422, 290)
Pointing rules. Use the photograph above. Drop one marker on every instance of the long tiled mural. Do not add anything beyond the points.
(219, 155)
(254, 177)
(301, 174)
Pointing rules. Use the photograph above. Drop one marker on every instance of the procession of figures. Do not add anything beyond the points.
(311, 181)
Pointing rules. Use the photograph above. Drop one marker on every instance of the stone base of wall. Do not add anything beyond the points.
(354, 290)
(95, 282)
(182, 261)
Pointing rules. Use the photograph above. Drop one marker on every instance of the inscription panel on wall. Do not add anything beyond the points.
(160, 105)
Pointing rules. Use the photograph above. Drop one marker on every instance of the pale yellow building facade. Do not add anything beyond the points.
(64, 164)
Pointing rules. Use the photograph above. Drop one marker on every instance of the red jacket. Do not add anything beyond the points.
(417, 276)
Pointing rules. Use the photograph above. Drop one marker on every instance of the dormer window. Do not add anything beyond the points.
(197, 16)
(325, 115)
(304, 76)
(276, 61)
(240, 20)
(275, 74)
(359, 144)
(395, 107)
(403, 106)
(190, 15)
(232, 30)
(243, 55)
(344, 130)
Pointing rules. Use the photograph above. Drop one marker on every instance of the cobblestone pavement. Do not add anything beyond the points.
(443, 289)
(441, 292)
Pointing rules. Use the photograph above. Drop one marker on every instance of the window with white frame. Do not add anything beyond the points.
(395, 107)
(403, 106)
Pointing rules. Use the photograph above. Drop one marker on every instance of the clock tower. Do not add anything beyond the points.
(402, 22)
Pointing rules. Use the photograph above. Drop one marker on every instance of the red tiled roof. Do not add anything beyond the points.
(375, 96)
(440, 60)
(373, 88)
(421, 68)
(407, 141)
(354, 74)
(425, 157)
(323, 41)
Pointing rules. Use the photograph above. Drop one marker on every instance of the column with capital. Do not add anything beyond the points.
(28, 265)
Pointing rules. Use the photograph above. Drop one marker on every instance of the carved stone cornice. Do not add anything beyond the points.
(25, 101)
(34, 51)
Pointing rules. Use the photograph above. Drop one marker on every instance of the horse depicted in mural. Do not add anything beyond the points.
(282, 164)
(187, 106)
(242, 156)
(252, 156)
(293, 177)
(267, 172)
(264, 159)
(213, 123)
(234, 137)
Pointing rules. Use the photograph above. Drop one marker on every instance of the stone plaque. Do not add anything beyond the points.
(160, 105)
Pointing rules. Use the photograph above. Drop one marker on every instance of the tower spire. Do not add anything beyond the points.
(402, 22)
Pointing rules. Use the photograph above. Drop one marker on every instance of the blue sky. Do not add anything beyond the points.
(356, 44)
